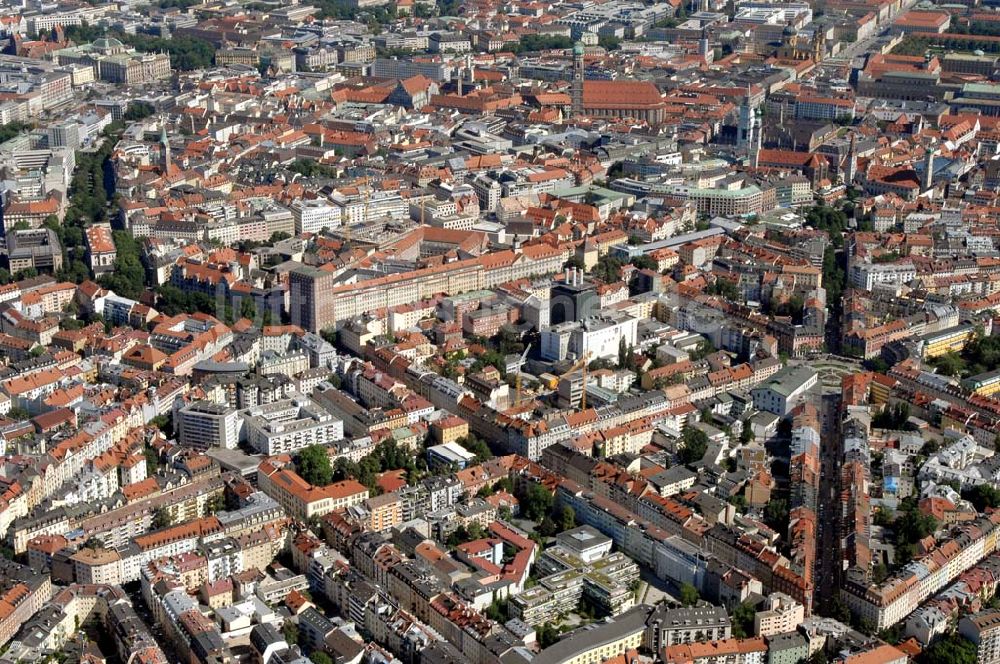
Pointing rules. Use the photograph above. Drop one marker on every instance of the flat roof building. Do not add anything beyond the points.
(785, 389)
(289, 425)
(448, 454)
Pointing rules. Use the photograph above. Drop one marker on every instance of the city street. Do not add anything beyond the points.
(828, 553)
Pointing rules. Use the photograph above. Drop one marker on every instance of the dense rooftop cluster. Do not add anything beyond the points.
(499, 332)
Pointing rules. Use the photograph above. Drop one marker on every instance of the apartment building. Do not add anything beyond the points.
(303, 500)
(731, 651)
(97, 566)
(289, 425)
(887, 603)
(668, 626)
(781, 614)
(605, 641)
(203, 424)
(317, 301)
(785, 390)
(34, 248)
(983, 629)
(866, 275)
(946, 341)
(384, 512)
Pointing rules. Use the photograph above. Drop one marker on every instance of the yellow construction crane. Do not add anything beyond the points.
(517, 378)
(580, 363)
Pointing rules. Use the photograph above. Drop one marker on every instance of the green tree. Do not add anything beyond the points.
(608, 269)
(138, 110)
(320, 657)
(839, 611)
(950, 649)
(724, 288)
(702, 350)
(12, 129)
(695, 444)
(742, 620)
(949, 364)
(819, 657)
(459, 536)
(776, 515)
(247, 308)
(547, 634)
(566, 518)
(831, 220)
(128, 277)
(311, 168)
(535, 501)
(644, 262)
(476, 446)
(162, 518)
(497, 610)
(983, 497)
(834, 275)
(893, 417)
(314, 466)
(186, 53)
(903, 554)
(532, 43)
(913, 526)
(215, 504)
(152, 460)
(689, 595)
(609, 43)
(164, 423)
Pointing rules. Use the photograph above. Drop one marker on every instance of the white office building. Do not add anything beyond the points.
(784, 391)
(289, 425)
(867, 275)
(313, 215)
(596, 337)
(204, 424)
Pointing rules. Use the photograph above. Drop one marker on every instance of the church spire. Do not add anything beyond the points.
(165, 146)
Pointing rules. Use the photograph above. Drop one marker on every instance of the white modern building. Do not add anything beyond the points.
(204, 424)
(313, 215)
(586, 543)
(867, 275)
(596, 337)
(784, 391)
(289, 425)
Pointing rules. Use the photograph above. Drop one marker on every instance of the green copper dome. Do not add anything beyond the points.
(578, 48)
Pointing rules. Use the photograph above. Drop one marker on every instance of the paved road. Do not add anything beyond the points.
(857, 48)
(828, 553)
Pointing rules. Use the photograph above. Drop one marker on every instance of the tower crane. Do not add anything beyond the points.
(517, 379)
